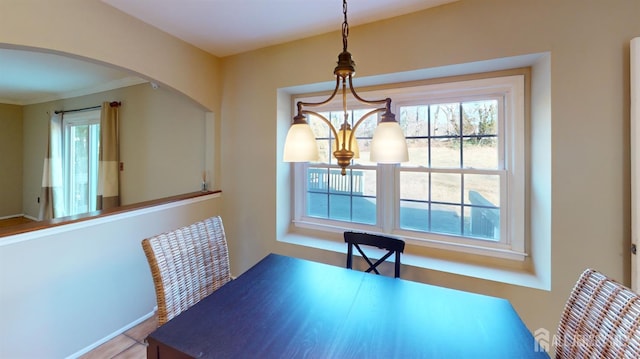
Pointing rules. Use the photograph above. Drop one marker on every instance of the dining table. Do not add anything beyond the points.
(285, 307)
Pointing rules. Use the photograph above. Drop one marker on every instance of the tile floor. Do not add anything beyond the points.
(128, 345)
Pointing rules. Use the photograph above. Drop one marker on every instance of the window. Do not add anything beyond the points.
(463, 187)
(81, 138)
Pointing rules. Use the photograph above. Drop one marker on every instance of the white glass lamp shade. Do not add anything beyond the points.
(300, 144)
(388, 144)
(354, 143)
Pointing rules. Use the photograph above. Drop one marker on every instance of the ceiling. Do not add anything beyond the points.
(28, 77)
(220, 27)
(227, 27)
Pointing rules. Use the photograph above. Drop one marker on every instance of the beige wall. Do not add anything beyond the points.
(161, 142)
(111, 37)
(79, 271)
(589, 45)
(588, 42)
(10, 160)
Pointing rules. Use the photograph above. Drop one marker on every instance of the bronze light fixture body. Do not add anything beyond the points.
(388, 144)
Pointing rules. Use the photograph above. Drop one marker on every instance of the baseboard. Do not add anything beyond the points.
(112, 335)
(12, 216)
(31, 217)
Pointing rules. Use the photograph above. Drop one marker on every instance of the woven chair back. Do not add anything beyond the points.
(601, 319)
(187, 264)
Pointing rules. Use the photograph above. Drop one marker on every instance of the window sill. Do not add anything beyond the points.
(436, 242)
(503, 274)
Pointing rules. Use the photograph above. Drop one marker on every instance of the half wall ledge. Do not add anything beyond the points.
(39, 225)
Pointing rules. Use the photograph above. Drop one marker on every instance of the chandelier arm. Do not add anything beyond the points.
(386, 101)
(301, 104)
(364, 117)
(333, 129)
(345, 68)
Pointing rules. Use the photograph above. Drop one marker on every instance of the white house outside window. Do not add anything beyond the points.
(463, 187)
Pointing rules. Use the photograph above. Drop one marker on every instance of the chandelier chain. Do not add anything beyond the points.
(345, 26)
(301, 145)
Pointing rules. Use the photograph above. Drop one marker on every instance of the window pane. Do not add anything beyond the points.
(79, 170)
(339, 183)
(317, 205)
(317, 179)
(319, 127)
(436, 218)
(80, 157)
(339, 207)
(369, 183)
(482, 223)
(352, 209)
(364, 210)
(445, 153)
(483, 212)
(446, 219)
(366, 127)
(418, 152)
(331, 195)
(364, 186)
(480, 117)
(445, 119)
(414, 215)
(480, 131)
(365, 152)
(324, 150)
(480, 154)
(323, 138)
(414, 186)
(414, 197)
(336, 118)
(446, 187)
(414, 121)
(486, 186)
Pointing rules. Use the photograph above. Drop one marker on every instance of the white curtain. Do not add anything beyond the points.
(52, 200)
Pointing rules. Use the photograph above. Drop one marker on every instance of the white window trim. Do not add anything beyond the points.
(512, 210)
(513, 248)
(90, 117)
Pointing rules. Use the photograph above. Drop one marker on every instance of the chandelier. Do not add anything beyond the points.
(388, 144)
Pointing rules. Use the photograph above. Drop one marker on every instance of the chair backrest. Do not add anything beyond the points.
(187, 264)
(393, 246)
(601, 319)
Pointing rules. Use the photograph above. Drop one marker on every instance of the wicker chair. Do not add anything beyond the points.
(187, 264)
(601, 319)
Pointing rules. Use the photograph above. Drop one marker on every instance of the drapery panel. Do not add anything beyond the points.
(635, 161)
(109, 157)
(51, 198)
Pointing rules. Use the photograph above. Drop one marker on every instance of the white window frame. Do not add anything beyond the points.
(512, 207)
(69, 120)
